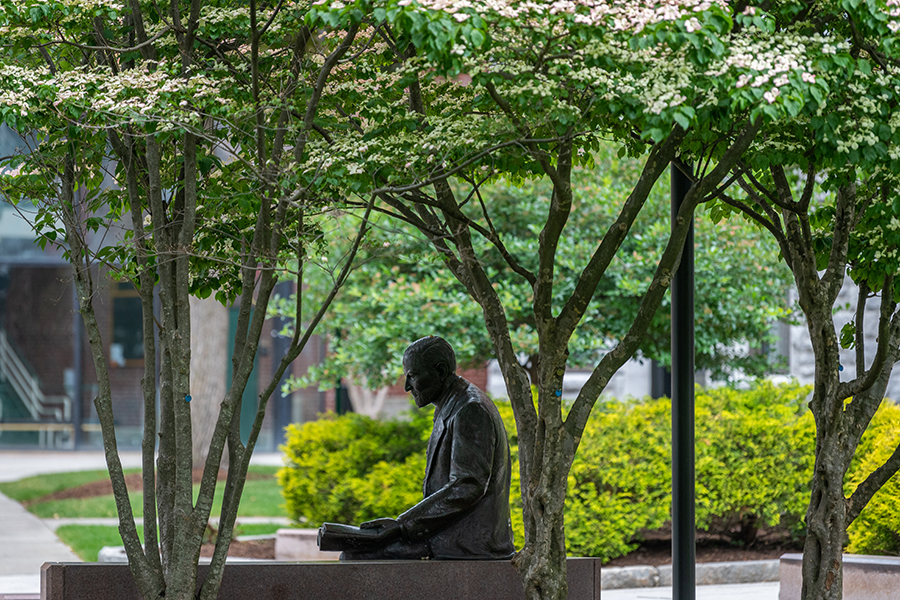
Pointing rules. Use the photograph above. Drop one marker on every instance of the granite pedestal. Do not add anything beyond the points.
(865, 577)
(382, 580)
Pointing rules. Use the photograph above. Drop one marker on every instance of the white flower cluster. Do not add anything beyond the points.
(769, 65)
(625, 15)
(17, 86)
(876, 237)
(893, 11)
(862, 115)
(91, 5)
(210, 15)
(157, 94)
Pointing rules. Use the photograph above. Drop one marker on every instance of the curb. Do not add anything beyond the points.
(644, 576)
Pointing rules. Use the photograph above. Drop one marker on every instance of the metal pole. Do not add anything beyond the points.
(77, 369)
(683, 549)
(281, 415)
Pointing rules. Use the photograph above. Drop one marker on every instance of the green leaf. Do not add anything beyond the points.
(848, 335)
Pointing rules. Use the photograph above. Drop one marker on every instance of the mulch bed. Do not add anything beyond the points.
(261, 549)
(656, 550)
(655, 553)
(134, 481)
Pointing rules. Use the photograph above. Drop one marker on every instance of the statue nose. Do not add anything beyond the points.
(406, 386)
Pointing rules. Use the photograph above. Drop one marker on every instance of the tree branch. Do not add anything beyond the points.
(833, 278)
(774, 229)
(668, 263)
(862, 383)
(575, 307)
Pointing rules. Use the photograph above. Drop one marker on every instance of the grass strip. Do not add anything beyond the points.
(37, 486)
(87, 540)
(261, 496)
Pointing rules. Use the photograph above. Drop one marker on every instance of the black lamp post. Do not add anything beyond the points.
(683, 549)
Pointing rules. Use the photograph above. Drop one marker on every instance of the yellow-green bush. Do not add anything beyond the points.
(877, 529)
(754, 453)
(620, 481)
(351, 468)
(754, 459)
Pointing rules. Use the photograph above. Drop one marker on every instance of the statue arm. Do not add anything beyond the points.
(472, 457)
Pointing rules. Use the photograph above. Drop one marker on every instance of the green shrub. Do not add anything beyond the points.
(515, 489)
(619, 482)
(877, 529)
(754, 458)
(753, 464)
(352, 468)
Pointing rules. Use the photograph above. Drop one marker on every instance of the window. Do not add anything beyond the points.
(127, 348)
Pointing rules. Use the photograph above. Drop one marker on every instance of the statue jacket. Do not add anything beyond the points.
(465, 510)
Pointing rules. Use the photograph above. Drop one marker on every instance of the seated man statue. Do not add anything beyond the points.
(465, 510)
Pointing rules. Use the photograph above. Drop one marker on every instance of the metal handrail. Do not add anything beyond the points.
(27, 386)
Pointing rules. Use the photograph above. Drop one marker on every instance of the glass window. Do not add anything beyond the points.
(127, 348)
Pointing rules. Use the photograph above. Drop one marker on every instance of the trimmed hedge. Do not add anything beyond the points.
(877, 529)
(352, 468)
(754, 459)
(754, 455)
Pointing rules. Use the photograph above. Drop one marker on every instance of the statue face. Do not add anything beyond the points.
(426, 382)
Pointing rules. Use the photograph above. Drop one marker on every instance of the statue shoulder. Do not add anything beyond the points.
(473, 400)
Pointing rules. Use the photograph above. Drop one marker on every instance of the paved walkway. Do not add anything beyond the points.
(741, 591)
(25, 544)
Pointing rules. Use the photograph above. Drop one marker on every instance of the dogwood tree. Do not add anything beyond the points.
(825, 185)
(475, 90)
(158, 140)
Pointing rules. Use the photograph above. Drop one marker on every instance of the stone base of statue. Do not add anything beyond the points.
(377, 580)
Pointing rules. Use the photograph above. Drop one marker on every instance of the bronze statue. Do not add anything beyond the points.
(465, 510)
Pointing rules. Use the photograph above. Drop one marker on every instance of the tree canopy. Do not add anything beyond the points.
(479, 91)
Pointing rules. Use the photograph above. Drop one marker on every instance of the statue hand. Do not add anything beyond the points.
(388, 528)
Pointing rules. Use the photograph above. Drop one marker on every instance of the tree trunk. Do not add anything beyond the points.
(826, 515)
(542, 562)
(209, 362)
(826, 532)
(365, 401)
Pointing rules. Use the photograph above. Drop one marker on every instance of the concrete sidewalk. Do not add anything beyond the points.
(25, 544)
(740, 591)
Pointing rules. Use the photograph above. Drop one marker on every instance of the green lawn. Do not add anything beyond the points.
(261, 497)
(87, 540)
(31, 488)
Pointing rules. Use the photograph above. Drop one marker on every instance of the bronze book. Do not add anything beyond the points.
(335, 537)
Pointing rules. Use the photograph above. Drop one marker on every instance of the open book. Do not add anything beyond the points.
(338, 537)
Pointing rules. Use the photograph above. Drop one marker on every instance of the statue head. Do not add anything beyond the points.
(428, 364)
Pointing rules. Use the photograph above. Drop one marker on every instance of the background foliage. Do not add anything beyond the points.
(352, 468)
(403, 290)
